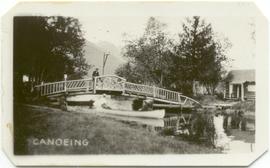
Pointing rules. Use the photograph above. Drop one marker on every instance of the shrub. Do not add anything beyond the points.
(202, 126)
(220, 95)
(137, 104)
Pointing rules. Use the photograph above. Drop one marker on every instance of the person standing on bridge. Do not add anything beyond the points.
(95, 73)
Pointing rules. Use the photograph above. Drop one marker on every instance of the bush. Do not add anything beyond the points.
(220, 96)
(137, 104)
(202, 126)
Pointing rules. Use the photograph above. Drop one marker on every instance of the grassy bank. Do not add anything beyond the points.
(105, 136)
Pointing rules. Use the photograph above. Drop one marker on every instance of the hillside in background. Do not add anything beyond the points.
(94, 56)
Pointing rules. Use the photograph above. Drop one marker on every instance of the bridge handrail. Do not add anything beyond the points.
(154, 87)
(104, 76)
(87, 79)
(169, 95)
(63, 81)
(48, 83)
(152, 91)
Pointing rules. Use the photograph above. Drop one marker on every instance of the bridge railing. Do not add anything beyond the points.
(139, 89)
(109, 83)
(167, 94)
(115, 83)
(63, 86)
(85, 84)
(153, 91)
(51, 88)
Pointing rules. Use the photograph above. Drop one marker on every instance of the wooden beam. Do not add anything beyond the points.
(167, 105)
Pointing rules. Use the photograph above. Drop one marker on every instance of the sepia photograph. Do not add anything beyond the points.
(134, 83)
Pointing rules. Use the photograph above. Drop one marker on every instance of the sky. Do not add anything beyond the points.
(108, 21)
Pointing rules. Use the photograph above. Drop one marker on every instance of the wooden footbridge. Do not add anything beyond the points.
(115, 84)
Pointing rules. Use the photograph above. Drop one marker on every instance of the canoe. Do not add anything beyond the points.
(154, 114)
(141, 114)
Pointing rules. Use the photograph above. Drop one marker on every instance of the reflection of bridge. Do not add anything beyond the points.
(116, 84)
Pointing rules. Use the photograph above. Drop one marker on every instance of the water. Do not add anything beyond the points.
(221, 139)
(227, 143)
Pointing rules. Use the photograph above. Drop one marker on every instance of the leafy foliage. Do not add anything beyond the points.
(148, 55)
(202, 126)
(197, 56)
(47, 47)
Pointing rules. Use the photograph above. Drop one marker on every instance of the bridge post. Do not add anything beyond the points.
(65, 85)
(179, 98)
(123, 87)
(94, 85)
(154, 91)
(87, 85)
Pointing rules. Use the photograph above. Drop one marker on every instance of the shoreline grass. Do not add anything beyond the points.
(105, 136)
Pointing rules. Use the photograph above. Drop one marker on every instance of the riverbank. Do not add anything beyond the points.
(37, 130)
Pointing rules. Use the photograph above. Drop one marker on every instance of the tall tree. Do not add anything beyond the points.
(47, 47)
(199, 54)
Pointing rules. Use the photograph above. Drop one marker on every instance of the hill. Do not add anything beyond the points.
(94, 56)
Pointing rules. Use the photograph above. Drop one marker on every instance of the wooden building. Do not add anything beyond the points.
(241, 85)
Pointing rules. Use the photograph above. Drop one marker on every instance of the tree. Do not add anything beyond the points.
(148, 55)
(47, 47)
(199, 55)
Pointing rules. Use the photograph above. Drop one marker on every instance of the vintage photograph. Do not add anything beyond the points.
(133, 84)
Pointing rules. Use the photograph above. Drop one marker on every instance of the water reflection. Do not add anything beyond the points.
(143, 121)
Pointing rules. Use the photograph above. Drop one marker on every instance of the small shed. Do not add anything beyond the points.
(241, 85)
